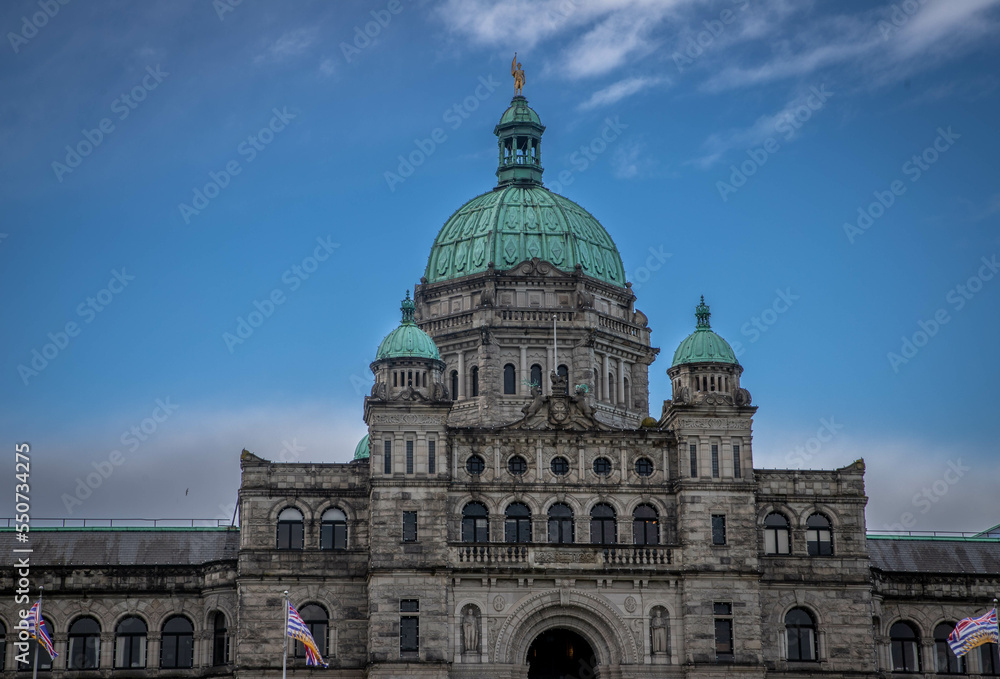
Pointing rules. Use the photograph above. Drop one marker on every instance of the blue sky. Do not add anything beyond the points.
(823, 172)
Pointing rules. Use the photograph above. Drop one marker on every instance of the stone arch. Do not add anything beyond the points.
(591, 616)
(604, 499)
(281, 504)
(525, 498)
(563, 498)
(645, 499)
(784, 510)
(818, 508)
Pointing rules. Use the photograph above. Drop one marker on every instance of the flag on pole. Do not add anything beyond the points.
(36, 628)
(298, 630)
(972, 632)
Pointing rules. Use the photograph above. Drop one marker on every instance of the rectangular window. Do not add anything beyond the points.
(737, 469)
(432, 457)
(694, 460)
(718, 529)
(409, 626)
(988, 659)
(724, 632)
(409, 526)
(715, 461)
(409, 457)
(388, 457)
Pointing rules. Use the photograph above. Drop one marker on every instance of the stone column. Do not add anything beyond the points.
(605, 379)
(621, 382)
(461, 375)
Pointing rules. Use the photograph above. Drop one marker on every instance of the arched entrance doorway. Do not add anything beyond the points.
(560, 654)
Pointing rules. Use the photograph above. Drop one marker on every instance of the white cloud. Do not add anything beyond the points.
(619, 90)
(328, 66)
(289, 44)
(628, 161)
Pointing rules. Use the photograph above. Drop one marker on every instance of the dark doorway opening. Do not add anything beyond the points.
(560, 654)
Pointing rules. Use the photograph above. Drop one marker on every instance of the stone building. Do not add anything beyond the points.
(515, 511)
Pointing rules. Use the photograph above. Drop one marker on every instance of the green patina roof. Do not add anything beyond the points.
(514, 223)
(407, 341)
(703, 345)
(363, 451)
(519, 112)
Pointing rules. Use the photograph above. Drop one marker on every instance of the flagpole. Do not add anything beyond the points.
(284, 656)
(38, 616)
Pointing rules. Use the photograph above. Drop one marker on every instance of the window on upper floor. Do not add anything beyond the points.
(945, 660)
(724, 649)
(509, 379)
(177, 643)
(387, 457)
(318, 621)
(561, 524)
(475, 523)
(602, 466)
(718, 529)
(988, 660)
(44, 659)
(693, 452)
(645, 525)
(715, 461)
(517, 523)
(800, 635)
(220, 640)
(454, 385)
(409, 526)
(776, 534)
(905, 646)
(84, 645)
(432, 457)
(474, 380)
(644, 466)
(559, 466)
(290, 529)
(475, 465)
(130, 644)
(563, 372)
(737, 466)
(819, 536)
(333, 530)
(409, 626)
(536, 375)
(603, 525)
(517, 465)
(627, 396)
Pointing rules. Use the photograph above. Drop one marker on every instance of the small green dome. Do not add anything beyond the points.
(520, 112)
(512, 224)
(407, 341)
(703, 345)
(363, 451)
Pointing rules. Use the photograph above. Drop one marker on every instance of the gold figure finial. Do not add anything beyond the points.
(518, 73)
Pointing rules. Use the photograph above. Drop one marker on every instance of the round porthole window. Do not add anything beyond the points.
(602, 466)
(644, 466)
(517, 465)
(560, 466)
(475, 464)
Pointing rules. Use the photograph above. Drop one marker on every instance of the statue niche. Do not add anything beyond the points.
(659, 633)
(470, 630)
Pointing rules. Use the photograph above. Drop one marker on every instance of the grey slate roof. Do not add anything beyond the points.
(99, 547)
(916, 555)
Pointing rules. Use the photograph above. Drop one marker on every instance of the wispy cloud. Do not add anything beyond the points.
(629, 161)
(289, 44)
(619, 90)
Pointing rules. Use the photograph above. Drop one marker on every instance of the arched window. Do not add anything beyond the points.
(474, 375)
(563, 372)
(475, 523)
(597, 384)
(945, 659)
(220, 640)
(560, 523)
(627, 396)
(509, 379)
(603, 526)
(177, 643)
(776, 534)
(130, 644)
(612, 395)
(800, 631)
(819, 536)
(84, 645)
(988, 659)
(44, 659)
(517, 523)
(536, 375)
(318, 622)
(905, 648)
(333, 530)
(290, 529)
(646, 525)
(454, 385)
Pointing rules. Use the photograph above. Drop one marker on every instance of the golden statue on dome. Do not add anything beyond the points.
(518, 73)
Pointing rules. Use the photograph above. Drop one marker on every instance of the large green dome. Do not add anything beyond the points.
(407, 341)
(703, 345)
(513, 223)
(520, 219)
(363, 451)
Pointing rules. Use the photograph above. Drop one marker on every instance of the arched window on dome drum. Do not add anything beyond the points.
(819, 536)
(454, 385)
(800, 634)
(536, 375)
(333, 530)
(646, 525)
(603, 525)
(776, 534)
(517, 523)
(84, 645)
(560, 524)
(475, 380)
(177, 643)
(509, 379)
(290, 529)
(130, 644)
(905, 646)
(563, 372)
(945, 659)
(475, 523)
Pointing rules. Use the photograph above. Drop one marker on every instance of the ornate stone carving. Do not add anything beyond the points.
(713, 423)
(630, 604)
(742, 397)
(499, 603)
(409, 394)
(404, 418)
(560, 410)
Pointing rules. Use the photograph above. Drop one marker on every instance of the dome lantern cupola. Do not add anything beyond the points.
(519, 135)
(408, 364)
